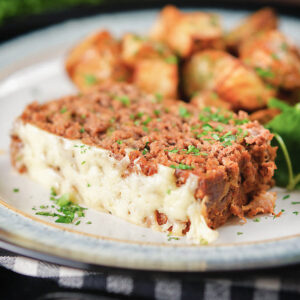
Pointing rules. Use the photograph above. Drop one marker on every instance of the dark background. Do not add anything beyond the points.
(21, 16)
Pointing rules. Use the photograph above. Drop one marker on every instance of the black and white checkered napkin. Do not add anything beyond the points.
(257, 288)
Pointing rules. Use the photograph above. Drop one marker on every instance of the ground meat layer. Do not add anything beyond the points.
(231, 156)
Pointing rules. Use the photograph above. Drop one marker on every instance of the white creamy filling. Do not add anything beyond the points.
(94, 178)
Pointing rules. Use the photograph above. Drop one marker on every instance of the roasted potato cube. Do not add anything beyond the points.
(155, 67)
(199, 71)
(186, 33)
(135, 48)
(157, 75)
(96, 60)
(208, 99)
(231, 79)
(274, 58)
(262, 20)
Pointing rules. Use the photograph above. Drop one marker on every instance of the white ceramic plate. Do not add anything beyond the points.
(32, 69)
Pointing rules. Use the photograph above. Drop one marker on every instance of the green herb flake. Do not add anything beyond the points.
(159, 97)
(88, 222)
(239, 233)
(169, 191)
(145, 129)
(15, 190)
(182, 167)
(256, 220)
(90, 79)
(77, 223)
(83, 162)
(147, 121)
(119, 142)
(275, 56)
(264, 73)
(124, 100)
(286, 197)
(296, 213)
(172, 238)
(82, 130)
(183, 112)
(156, 112)
(284, 46)
(63, 110)
(295, 202)
(88, 185)
(173, 150)
(172, 59)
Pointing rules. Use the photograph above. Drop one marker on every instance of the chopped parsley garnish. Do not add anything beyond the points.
(88, 222)
(192, 149)
(157, 112)
(183, 112)
(173, 150)
(207, 127)
(77, 223)
(15, 190)
(82, 130)
(182, 167)
(83, 116)
(90, 79)
(172, 237)
(88, 185)
(65, 210)
(286, 197)
(275, 56)
(146, 149)
(63, 110)
(83, 162)
(239, 233)
(264, 73)
(159, 97)
(53, 192)
(256, 220)
(139, 114)
(284, 46)
(124, 100)
(145, 129)
(172, 59)
(296, 213)
(119, 142)
(147, 121)
(169, 191)
(295, 202)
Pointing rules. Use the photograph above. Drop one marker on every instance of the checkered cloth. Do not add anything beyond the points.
(163, 288)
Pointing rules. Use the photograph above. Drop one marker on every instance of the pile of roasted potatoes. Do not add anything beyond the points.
(189, 56)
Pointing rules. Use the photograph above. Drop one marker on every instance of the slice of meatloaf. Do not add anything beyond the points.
(162, 164)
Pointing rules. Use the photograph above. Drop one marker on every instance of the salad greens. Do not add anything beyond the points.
(286, 127)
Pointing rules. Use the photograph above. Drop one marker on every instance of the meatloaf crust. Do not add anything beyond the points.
(231, 156)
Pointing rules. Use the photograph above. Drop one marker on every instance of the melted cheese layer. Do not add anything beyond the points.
(94, 178)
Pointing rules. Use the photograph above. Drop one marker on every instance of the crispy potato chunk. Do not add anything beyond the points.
(157, 76)
(208, 99)
(262, 20)
(231, 79)
(274, 58)
(135, 48)
(186, 33)
(155, 67)
(96, 60)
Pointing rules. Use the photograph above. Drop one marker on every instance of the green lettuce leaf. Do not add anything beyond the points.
(286, 127)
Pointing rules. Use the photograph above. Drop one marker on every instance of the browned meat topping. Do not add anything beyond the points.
(231, 155)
